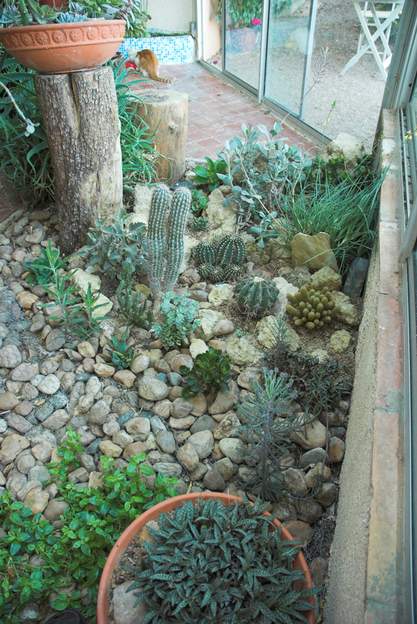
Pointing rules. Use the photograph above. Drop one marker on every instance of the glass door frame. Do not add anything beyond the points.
(295, 119)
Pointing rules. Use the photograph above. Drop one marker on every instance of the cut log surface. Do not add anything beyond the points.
(166, 114)
(81, 120)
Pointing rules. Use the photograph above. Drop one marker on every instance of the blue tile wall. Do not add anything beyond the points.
(172, 50)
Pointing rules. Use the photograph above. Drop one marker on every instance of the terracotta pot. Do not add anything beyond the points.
(64, 48)
(103, 599)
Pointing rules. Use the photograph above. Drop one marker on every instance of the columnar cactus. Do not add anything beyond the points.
(256, 295)
(161, 199)
(177, 223)
(165, 239)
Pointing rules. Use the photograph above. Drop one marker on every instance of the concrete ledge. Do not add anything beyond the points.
(364, 572)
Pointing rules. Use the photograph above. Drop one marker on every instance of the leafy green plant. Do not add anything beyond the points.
(265, 230)
(207, 174)
(117, 248)
(178, 319)
(121, 352)
(346, 211)
(261, 169)
(133, 305)
(91, 523)
(210, 373)
(25, 12)
(44, 269)
(25, 157)
(199, 202)
(320, 385)
(210, 562)
(267, 422)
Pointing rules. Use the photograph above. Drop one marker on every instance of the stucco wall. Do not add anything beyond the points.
(173, 15)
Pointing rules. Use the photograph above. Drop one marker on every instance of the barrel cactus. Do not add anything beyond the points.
(311, 307)
(220, 260)
(256, 295)
(166, 229)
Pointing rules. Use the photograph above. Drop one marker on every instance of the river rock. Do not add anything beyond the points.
(226, 468)
(311, 436)
(125, 377)
(10, 356)
(228, 427)
(37, 499)
(139, 427)
(11, 446)
(197, 347)
(344, 309)
(223, 402)
(187, 456)
(110, 449)
(56, 420)
(213, 480)
(233, 448)
(8, 401)
(153, 389)
(243, 350)
(24, 372)
(49, 384)
(140, 363)
(203, 442)
(125, 609)
(336, 450)
(209, 320)
(55, 340)
(166, 441)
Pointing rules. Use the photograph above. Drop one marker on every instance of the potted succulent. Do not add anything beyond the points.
(54, 37)
(208, 557)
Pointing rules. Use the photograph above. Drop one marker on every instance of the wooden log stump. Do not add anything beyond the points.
(81, 120)
(166, 114)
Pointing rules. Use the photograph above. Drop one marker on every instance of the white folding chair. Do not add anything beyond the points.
(376, 25)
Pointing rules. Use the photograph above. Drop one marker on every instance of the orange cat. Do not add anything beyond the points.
(147, 61)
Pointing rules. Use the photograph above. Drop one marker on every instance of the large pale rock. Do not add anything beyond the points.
(10, 356)
(313, 251)
(285, 288)
(326, 277)
(267, 332)
(11, 446)
(8, 401)
(348, 144)
(188, 456)
(220, 294)
(203, 442)
(243, 350)
(104, 306)
(209, 320)
(82, 280)
(197, 347)
(221, 218)
(233, 448)
(311, 436)
(37, 499)
(344, 309)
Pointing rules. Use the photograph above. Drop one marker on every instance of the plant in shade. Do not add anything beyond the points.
(133, 304)
(320, 385)
(207, 174)
(178, 318)
(211, 562)
(267, 422)
(121, 352)
(44, 268)
(210, 373)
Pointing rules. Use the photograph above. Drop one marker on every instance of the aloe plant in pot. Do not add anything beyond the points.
(214, 558)
(53, 36)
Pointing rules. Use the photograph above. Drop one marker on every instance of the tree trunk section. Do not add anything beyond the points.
(166, 114)
(81, 120)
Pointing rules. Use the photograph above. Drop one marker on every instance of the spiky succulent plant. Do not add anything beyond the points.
(213, 563)
(256, 295)
(220, 260)
(311, 307)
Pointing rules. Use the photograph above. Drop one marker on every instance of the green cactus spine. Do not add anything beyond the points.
(156, 237)
(213, 274)
(204, 253)
(256, 295)
(230, 250)
(177, 223)
(232, 273)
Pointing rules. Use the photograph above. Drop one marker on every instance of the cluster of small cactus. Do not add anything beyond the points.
(165, 238)
(220, 260)
(311, 307)
(256, 295)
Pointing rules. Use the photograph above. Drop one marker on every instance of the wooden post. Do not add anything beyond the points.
(81, 121)
(166, 114)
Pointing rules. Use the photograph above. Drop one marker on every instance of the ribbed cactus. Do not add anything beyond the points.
(177, 223)
(156, 239)
(256, 295)
(165, 238)
(204, 253)
(220, 260)
(230, 250)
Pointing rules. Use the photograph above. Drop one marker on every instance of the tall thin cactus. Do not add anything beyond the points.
(166, 237)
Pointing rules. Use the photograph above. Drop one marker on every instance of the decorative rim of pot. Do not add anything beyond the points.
(103, 603)
(61, 35)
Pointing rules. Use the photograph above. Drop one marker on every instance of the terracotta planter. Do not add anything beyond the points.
(64, 48)
(103, 599)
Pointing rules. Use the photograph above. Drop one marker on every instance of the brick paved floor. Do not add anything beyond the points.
(218, 109)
